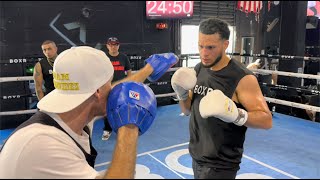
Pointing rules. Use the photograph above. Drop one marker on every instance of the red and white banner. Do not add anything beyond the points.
(250, 6)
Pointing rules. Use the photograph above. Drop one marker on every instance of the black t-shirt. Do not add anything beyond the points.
(121, 64)
(213, 142)
(47, 75)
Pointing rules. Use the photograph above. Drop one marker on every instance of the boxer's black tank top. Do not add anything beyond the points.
(213, 142)
(47, 75)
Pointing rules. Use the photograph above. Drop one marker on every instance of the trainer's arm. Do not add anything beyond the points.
(38, 80)
(250, 96)
(124, 155)
(139, 76)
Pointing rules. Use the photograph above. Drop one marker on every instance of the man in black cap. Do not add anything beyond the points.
(122, 68)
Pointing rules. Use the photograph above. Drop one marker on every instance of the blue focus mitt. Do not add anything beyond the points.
(131, 103)
(160, 64)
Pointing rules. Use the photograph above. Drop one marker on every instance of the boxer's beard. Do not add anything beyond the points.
(218, 59)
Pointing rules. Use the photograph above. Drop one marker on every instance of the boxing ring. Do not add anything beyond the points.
(289, 150)
(268, 99)
(195, 56)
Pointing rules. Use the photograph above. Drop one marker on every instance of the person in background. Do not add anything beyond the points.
(42, 73)
(122, 69)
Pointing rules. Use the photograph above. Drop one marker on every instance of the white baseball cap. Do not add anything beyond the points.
(77, 73)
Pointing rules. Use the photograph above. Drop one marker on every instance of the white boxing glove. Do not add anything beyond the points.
(183, 80)
(218, 105)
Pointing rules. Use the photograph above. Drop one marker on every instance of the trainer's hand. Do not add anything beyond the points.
(131, 103)
(183, 80)
(160, 64)
(216, 104)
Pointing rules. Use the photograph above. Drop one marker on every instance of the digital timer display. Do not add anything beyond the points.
(169, 9)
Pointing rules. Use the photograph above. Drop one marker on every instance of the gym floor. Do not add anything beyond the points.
(290, 150)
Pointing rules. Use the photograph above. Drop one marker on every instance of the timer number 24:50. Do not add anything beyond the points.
(178, 7)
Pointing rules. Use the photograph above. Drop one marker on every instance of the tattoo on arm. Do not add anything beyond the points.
(39, 94)
(37, 73)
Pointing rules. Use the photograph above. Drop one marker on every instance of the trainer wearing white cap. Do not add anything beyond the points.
(54, 143)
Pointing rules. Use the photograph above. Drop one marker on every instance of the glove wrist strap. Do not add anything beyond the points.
(242, 118)
(183, 97)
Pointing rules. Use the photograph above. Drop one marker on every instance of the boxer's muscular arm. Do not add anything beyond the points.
(248, 93)
(38, 79)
